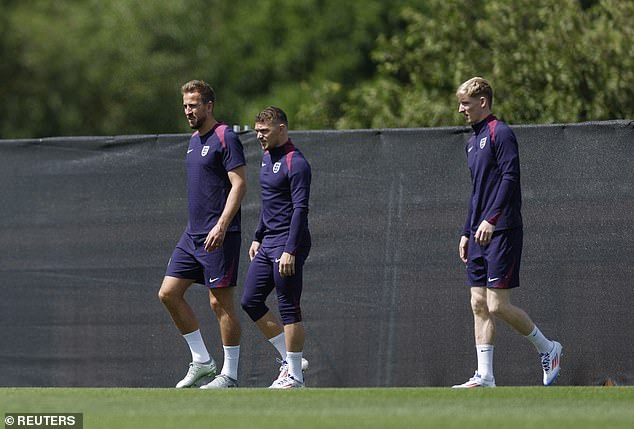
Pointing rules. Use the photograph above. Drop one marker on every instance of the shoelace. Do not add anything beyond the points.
(546, 361)
(283, 363)
(192, 369)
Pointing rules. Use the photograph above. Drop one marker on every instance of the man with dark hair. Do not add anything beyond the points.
(491, 242)
(280, 246)
(209, 250)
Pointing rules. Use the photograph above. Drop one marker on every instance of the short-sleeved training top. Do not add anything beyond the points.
(209, 158)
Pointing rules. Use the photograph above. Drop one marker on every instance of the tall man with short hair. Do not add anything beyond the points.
(491, 242)
(209, 250)
(280, 245)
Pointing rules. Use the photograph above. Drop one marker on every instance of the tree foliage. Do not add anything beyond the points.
(549, 61)
(96, 67)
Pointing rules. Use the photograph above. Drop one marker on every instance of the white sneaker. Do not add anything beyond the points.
(221, 381)
(287, 383)
(551, 363)
(196, 372)
(476, 381)
(284, 368)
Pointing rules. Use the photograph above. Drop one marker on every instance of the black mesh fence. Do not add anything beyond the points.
(87, 225)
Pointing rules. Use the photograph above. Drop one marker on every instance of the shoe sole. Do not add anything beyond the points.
(203, 387)
(477, 386)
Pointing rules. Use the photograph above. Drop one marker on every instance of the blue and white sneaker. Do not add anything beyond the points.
(551, 363)
(196, 372)
(284, 369)
(476, 381)
(289, 382)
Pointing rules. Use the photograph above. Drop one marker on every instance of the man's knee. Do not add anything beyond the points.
(163, 296)
(255, 308)
(499, 303)
(166, 294)
(221, 300)
(479, 305)
(172, 290)
(496, 309)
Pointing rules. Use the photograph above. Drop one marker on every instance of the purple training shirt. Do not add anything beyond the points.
(209, 158)
(493, 159)
(285, 181)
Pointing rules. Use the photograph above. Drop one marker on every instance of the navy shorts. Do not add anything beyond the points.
(264, 275)
(215, 269)
(496, 265)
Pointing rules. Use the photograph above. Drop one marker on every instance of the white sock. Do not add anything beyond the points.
(294, 360)
(197, 347)
(541, 343)
(280, 344)
(230, 365)
(485, 360)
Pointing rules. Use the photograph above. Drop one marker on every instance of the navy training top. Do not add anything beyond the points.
(209, 158)
(285, 178)
(493, 159)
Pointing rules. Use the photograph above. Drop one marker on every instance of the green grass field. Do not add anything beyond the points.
(502, 407)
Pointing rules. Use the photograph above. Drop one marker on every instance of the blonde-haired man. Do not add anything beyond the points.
(491, 242)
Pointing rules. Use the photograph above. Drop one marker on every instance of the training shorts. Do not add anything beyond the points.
(215, 269)
(264, 275)
(496, 265)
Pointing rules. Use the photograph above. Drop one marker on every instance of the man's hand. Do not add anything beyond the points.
(463, 248)
(287, 265)
(215, 238)
(255, 246)
(484, 233)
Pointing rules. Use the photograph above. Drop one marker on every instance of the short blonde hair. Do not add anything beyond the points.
(476, 87)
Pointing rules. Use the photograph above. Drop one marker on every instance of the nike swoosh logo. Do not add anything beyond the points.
(263, 165)
(471, 148)
(492, 280)
(214, 280)
(190, 150)
(278, 260)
